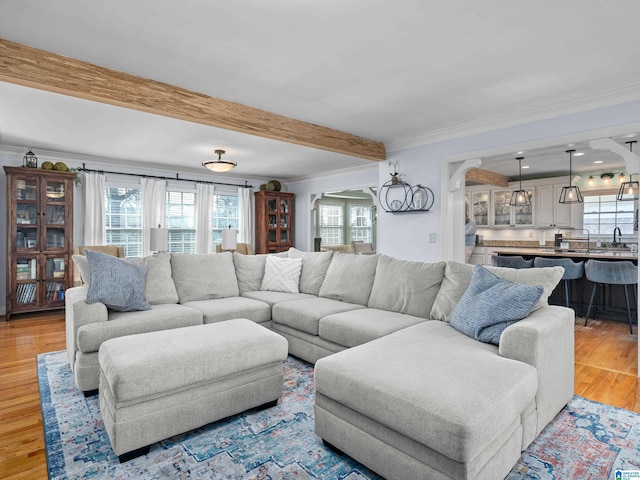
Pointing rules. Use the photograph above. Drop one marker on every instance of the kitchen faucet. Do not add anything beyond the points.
(615, 242)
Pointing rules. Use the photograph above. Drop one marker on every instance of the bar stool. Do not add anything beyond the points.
(511, 261)
(612, 273)
(572, 271)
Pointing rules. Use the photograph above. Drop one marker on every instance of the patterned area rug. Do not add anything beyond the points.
(587, 440)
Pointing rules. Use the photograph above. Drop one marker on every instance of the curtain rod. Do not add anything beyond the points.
(246, 185)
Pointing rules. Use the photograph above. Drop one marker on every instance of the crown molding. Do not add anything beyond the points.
(580, 104)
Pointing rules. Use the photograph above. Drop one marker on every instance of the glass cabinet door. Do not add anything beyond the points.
(26, 268)
(27, 214)
(501, 208)
(285, 220)
(54, 278)
(54, 222)
(480, 208)
(523, 216)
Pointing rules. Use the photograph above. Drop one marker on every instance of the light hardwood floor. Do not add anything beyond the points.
(606, 371)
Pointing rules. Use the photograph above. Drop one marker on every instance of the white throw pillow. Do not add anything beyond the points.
(282, 274)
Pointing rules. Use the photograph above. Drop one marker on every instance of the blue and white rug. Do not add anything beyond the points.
(587, 440)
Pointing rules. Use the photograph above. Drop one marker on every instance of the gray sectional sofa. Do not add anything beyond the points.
(398, 387)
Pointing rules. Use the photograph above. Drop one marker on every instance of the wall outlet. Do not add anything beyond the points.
(432, 237)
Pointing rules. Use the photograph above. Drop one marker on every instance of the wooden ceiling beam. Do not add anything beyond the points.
(486, 177)
(31, 67)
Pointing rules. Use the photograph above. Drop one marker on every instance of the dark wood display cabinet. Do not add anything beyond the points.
(39, 238)
(274, 221)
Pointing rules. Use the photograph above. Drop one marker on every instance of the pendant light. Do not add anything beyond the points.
(570, 194)
(520, 198)
(219, 165)
(629, 190)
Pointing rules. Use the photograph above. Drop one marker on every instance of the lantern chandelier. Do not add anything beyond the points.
(629, 190)
(520, 197)
(571, 193)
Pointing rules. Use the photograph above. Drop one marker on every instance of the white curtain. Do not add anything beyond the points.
(204, 227)
(154, 206)
(94, 214)
(245, 216)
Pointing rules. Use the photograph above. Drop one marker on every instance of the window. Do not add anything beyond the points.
(123, 214)
(331, 223)
(124, 218)
(181, 221)
(360, 222)
(343, 220)
(602, 213)
(224, 214)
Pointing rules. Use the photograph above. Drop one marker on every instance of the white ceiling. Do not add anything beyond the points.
(403, 72)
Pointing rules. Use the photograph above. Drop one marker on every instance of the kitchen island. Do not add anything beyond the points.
(577, 254)
(613, 297)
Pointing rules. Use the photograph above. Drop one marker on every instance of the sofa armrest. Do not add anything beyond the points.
(77, 313)
(545, 340)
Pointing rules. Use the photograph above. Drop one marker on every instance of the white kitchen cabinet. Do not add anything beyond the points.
(504, 215)
(551, 213)
(477, 203)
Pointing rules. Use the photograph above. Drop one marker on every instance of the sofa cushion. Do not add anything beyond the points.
(204, 276)
(161, 317)
(406, 287)
(116, 282)
(220, 309)
(272, 298)
(305, 314)
(314, 269)
(249, 271)
(159, 287)
(490, 304)
(409, 389)
(349, 278)
(282, 274)
(356, 327)
(457, 277)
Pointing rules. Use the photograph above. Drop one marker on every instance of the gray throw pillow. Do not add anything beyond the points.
(490, 304)
(116, 282)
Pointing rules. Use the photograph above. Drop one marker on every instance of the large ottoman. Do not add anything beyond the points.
(158, 384)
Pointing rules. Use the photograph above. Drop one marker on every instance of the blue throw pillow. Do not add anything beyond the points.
(490, 304)
(116, 282)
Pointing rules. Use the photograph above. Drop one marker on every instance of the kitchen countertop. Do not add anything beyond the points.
(599, 254)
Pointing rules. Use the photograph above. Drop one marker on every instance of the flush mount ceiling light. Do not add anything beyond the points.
(629, 190)
(571, 193)
(219, 165)
(520, 198)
